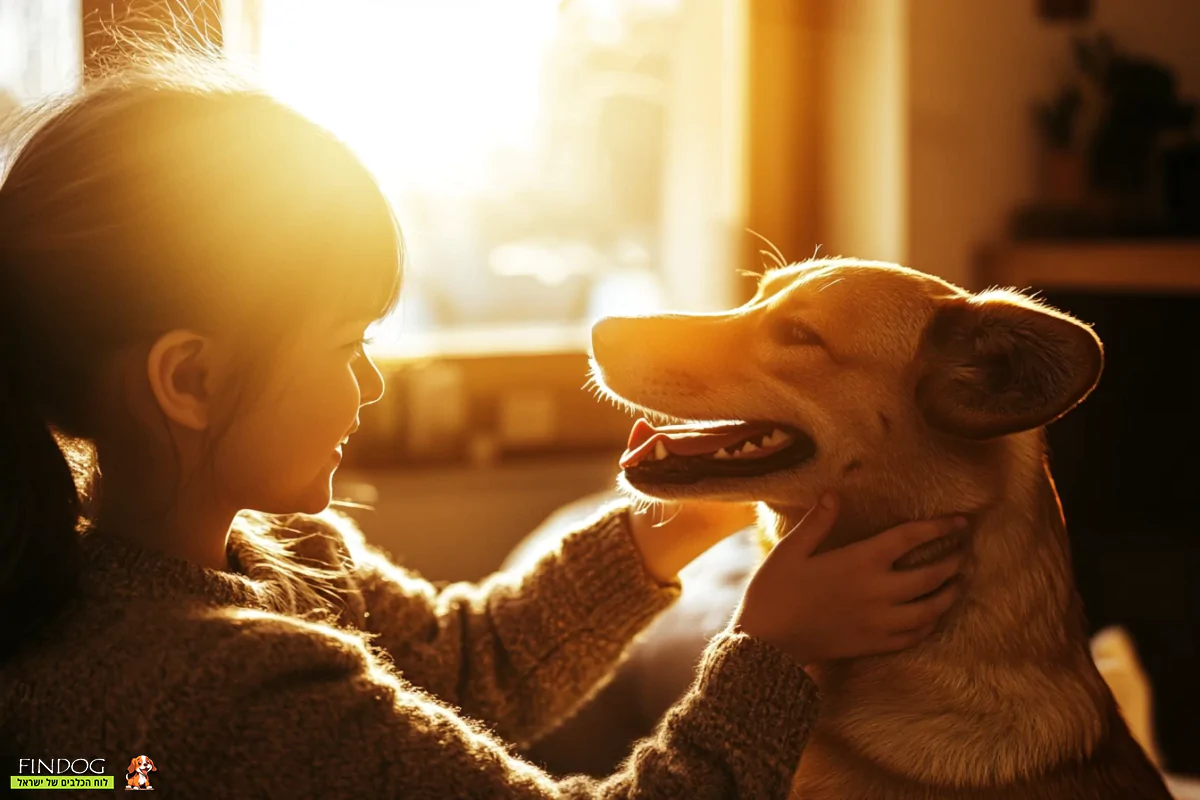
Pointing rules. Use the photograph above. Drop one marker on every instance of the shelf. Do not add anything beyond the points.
(1155, 267)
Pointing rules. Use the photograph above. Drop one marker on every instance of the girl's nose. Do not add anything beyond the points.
(370, 381)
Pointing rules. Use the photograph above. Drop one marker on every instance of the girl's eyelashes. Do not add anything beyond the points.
(358, 346)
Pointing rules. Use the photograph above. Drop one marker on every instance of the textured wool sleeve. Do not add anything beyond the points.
(518, 652)
(282, 708)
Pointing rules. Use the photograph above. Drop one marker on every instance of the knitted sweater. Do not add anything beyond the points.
(406, 690)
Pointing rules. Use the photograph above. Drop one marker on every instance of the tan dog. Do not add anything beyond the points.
(913, 399)
(138, 774)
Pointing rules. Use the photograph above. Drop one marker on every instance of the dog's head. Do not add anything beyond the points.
(883, 383)
(141, 764)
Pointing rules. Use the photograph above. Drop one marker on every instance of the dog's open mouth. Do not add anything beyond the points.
(689, 453)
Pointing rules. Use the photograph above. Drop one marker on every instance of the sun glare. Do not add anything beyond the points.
(430, 94)
(523, 144)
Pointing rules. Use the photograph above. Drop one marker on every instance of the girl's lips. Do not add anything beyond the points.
(346, 438)
(337, 451)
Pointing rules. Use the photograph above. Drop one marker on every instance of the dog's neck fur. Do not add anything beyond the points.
(1009, 642)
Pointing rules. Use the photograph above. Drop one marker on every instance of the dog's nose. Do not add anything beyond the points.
(605, 334)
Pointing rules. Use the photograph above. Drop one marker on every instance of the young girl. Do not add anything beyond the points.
(187, 269)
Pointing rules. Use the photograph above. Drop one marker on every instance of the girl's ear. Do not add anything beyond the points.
(181, 366)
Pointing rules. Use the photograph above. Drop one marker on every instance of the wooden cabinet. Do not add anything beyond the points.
(1120, 267)
(1124, 460)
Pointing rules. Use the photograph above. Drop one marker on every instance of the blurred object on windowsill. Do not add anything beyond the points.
(465, 406)
(1062, 168)
(1135, 173)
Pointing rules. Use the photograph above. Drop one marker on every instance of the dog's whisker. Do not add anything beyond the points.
(660, 523)
(780, 259)
(602, 392)
(774, 259)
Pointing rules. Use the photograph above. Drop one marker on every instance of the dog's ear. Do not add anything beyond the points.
(998, 363)
(151, 763)
(132, 766)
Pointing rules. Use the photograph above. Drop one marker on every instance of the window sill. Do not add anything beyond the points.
(482, 408)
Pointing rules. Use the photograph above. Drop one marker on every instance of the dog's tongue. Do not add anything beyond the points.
(687, 440)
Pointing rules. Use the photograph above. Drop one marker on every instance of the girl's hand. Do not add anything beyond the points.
(672, 535)
(848, 602)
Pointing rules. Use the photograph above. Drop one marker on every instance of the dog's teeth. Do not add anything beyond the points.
(660, 452)
(777, 437)
(750, 447)
(722, 453)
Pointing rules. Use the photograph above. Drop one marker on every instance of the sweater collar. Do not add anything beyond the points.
(119, 566)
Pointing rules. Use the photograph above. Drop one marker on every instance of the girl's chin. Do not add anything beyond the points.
(317, 496)
(317, 499)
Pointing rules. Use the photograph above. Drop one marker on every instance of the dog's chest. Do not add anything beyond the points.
(830, 770)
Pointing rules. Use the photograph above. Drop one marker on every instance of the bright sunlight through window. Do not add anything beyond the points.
(527, 145)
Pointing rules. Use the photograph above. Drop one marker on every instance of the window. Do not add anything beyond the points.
(40, 50)
(551, 161)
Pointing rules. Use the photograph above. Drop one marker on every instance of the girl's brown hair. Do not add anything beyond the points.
(168, 194)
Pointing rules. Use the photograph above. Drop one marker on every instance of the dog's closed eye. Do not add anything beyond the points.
(796, 333)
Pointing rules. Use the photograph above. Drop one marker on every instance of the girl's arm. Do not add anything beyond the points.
(281, 708)
(518, 652)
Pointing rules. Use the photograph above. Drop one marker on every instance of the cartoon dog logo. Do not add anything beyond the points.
(137, 775)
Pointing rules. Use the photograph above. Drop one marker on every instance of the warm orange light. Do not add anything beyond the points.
(426, 92)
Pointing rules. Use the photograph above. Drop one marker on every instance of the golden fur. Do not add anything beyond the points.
(924, 400)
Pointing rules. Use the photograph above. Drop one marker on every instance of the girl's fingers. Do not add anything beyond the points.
(889, 546)
(909, 638)
(813, 529)
(921, 613)
(911, 584)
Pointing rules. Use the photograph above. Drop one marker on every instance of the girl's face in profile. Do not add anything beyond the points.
(280, 453)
